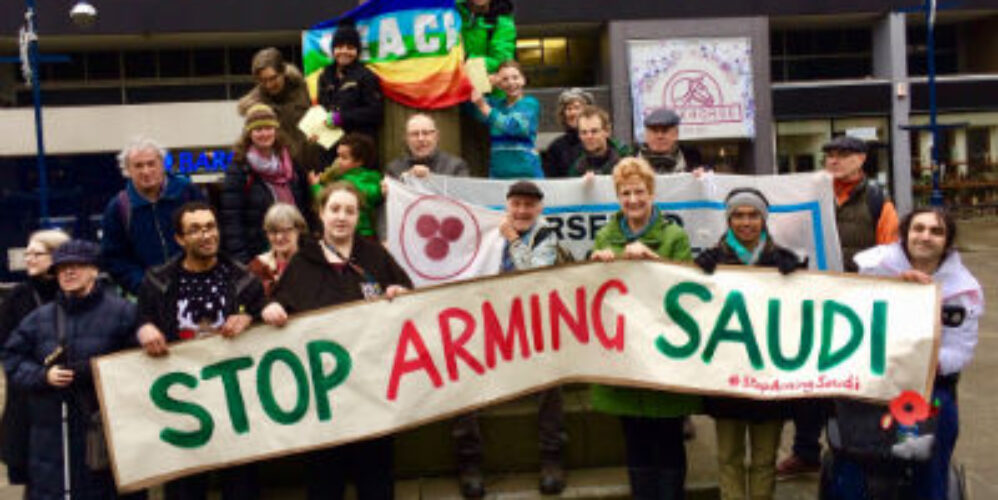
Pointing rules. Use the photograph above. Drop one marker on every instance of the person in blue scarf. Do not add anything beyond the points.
(747, 242)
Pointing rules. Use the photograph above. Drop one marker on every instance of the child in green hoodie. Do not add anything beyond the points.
(355, 164)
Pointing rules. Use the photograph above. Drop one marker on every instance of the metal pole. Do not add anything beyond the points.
(936, 199)
(36, 93)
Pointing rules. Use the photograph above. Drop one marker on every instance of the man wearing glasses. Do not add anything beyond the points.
(600, 151)
(200, 292)
(423, 156)
(865, 218)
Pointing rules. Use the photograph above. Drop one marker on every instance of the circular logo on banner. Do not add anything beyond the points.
(440, 237)
(693, 88)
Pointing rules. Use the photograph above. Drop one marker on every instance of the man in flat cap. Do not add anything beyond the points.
(528, 244)
(865, 218)
(661, 147)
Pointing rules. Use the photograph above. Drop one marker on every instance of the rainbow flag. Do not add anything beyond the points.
(414, 46)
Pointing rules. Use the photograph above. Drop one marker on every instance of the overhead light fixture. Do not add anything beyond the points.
(83, 14)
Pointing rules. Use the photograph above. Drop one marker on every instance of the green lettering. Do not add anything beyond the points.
(228, 371)
(682, 319)
(806, 336)
(878, 338)
(827, 359)
(265, 387)
(159, 393)
(734, 304)
(322, 383)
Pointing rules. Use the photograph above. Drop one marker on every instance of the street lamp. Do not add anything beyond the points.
(83, 14)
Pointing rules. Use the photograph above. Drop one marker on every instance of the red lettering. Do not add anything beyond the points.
(454, 350)
(617, 342)
(577, 324)
(535, 322)
(495, 338)
(403, 365)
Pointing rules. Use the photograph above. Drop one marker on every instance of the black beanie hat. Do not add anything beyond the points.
(346, 34)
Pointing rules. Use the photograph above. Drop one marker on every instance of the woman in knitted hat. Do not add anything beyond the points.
(262, 173)
(349, 91)
(565, 149)
(747, 242)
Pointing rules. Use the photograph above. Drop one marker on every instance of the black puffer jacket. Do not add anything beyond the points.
(357, 97)
(561, 154)
(97, 324)
(245, 200)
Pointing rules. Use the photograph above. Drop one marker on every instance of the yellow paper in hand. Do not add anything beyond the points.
(314, 124)
(477, 74)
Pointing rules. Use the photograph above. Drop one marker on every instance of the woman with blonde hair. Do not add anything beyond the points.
(40, 288)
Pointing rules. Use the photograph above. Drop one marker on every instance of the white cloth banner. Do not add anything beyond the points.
(437, 239)
(801, 214)
(360, 370)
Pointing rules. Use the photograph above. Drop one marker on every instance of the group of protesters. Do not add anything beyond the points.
(296, 228)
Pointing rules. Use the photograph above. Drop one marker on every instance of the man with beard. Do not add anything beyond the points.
(199, 292)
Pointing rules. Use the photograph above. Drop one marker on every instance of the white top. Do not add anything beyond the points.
(959, 288)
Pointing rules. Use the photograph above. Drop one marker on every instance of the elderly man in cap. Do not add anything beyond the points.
(865, 218)
(661, 147)
(529, 244)
(48, 357)
(423, 155)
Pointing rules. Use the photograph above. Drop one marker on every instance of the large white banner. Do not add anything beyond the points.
(802, 208)
(708, 81)
(351, 372)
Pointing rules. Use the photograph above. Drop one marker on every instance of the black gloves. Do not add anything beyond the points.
(786, 261)
(708, 259)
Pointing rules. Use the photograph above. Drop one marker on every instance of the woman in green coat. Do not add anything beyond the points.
(652, 420)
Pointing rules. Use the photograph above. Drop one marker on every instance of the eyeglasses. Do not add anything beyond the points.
(269, 79)
(281, 230)
(421, 133)
(205, 230)
(33, 254)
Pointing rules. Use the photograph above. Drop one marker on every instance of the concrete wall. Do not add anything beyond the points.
(93, 129)
(758, 152)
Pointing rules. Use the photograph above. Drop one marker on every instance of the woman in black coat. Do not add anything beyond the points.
(341, 267)
(53, 368)
(262, 173)
(37, 290)
(567, 147)
(349, 91)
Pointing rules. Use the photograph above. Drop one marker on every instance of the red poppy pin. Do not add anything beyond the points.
(909, 408)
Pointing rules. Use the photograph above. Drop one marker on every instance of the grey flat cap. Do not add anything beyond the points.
(845, 143)
(662, 117)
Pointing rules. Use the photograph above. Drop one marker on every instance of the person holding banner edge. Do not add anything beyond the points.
(926, 254)
(747, 242)
(341, 267)
(652, 420)
(529, 244)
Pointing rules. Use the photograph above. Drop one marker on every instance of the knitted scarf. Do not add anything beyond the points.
(746, 256)
(275, 171)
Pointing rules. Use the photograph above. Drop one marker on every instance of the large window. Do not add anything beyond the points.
(558, 61)
(821, 54)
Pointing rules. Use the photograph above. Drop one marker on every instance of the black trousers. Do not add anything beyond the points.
(656, 457)
(368, 463)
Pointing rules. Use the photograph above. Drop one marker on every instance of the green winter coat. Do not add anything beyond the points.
(368, 182)
(492, 36)
(670, 242)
